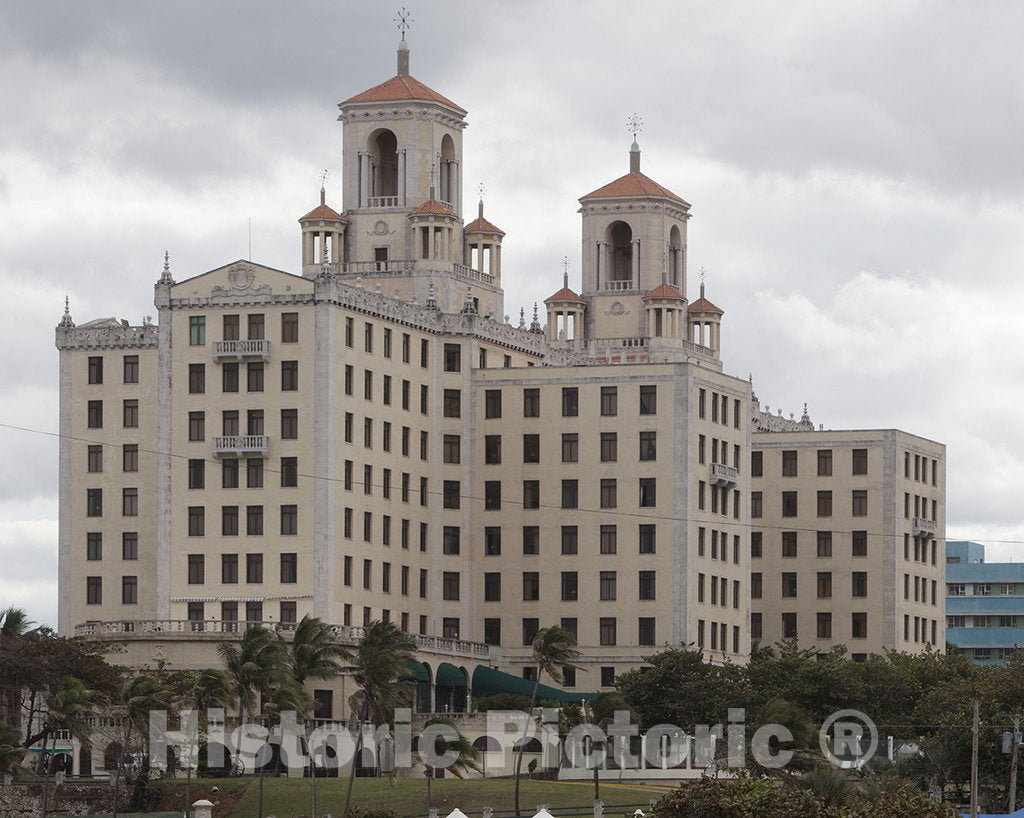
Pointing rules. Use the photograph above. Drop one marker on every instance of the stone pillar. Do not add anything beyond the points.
(307, 247)
(636, 263)
(401, 178)
(323, 246)
(430, 241)
(364, 180)
(496, 263)
(202, 808)
(452, 176)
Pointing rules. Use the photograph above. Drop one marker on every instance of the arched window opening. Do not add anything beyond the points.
(620, 240)
(384, 172)
(675, 256)
(447, 172)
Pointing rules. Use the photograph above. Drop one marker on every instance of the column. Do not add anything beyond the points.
(338, 249)
(496, 263)
(636, 263)
(401, 178)
(430, 241)
(364, 182)
(600, 265)
(457, 201)
(323, 246)
(307, 247)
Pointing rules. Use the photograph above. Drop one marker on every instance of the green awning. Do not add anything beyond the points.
(418, 672)
(450, 676)
(487, 681)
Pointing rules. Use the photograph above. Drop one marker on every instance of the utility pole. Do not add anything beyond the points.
(1013, 763)
(975, 730)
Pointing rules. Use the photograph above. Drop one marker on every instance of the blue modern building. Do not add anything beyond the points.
(984, 603)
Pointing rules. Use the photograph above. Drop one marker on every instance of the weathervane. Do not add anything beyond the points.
(480, 189)
(323, 179)
(404, 20)
(634, 125)
(565, 271)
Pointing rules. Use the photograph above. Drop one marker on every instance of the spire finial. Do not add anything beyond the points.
(522, 318)
(535, 326)
(703, 274)
(404, 20)
(480, 189)
(565, 271)
(67, 305)
(323, 186)
(167, 261)
(66, 320)
(635, 124)
(165, 276)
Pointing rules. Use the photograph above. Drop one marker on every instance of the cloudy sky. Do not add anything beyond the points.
(855, 172)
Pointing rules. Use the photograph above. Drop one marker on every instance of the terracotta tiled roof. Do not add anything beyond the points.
(401, 87)
(564, 294)
(665, 291)
(703, 305)
(634, 184)
(435, 207)
(323, 212)
(481, 225)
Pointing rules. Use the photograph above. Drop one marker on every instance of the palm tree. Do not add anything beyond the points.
(11, 752)
(553, 651)
(68, 708)
(465, 760)
(141, 696)
(380, 663)
(14, 622)
(254, 665)
(212, 688)
(314, 652)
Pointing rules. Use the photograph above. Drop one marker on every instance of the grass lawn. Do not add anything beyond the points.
(290, 798)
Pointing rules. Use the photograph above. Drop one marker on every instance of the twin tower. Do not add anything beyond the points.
(402, 232)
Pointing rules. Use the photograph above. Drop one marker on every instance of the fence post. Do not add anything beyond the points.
(598, 808)
(487, 812)
(202, 809)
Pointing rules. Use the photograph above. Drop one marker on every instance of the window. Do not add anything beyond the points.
(824, 503)
(196, 379)
(451, 489)
(860, 503)
(756, 585)
(789, 504)
(648, 492)
(94, 503)
(450, 539)
(570, 447)
(367, 384)
(824, 625)
(289, 376)
(254, 376)
(607, 677)
(859, 625)
(196, 569)
(609, 401)
(756, 464)
(531, 403)
(607, 634)
(824, 543)
(450, 586)
(289, 424)
(229, 521)
(289, 327)
(96, 369)
(451, 449)
(492, 540)
(531, 448)
(289, 520)
(254, 520)
(196, 521)
(647, 586)
(452, 403)
(254, 472)
(789, 626)
(570, 494)
(129, 590)
(289, 472)
(824, 584)
(756, 545)
(570, 401)
(860, 461)
(608, 539)
(609, 447)
(492, 631)
(789, 463)
(648, 400)
(196, 473)
(608, 493)
(859, 582)
(530, 628)
(607, 585)
(130, 545)
(424, 353)
(130, 502)
(94, 545)
(531, 494)
(824, 463)
(453, 357)
(492, 449)
(197, 425)
(229, 377)
(859, 542)
(492, 403)
(254, 568)
(789, 583)
(131, 368)
(570, 540)
(492, 587)
(701, 403)
(368, 337)
(531, 586)
(756, 504)
(789, 543)
(131, 414)
(93, 590)
(492, 495)
(95, 459)
(570, 586)
(648, 446)
(95, 414)
(647, 539)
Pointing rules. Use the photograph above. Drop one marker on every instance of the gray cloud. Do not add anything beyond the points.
(854, 173)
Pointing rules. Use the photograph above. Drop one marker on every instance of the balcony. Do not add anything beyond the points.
(241, 350)
(382, 201)
(241, 445)
(924, 527)
(722, 475)
(627, 284)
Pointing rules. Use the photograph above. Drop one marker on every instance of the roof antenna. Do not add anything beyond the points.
(404, 21)
(634, 125)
